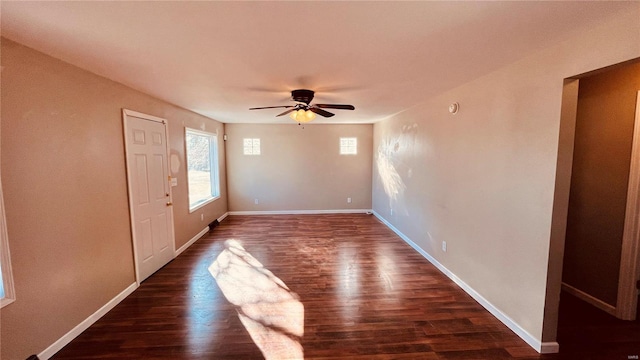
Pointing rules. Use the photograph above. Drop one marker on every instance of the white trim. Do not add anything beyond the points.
(84, 325)
(5, 258)
(550, 347)
(608, 308)
(627, 291)
(300, 212)
(172, 236)
(224, 216)
(193, 239)
(214, 163)
(203, 204)
(504, 318)
(198, 236)
(132, 113)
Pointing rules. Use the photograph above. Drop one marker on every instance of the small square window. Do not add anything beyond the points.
(251, 146)
(348, 146)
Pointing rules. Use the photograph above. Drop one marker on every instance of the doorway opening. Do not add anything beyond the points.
(595, 240)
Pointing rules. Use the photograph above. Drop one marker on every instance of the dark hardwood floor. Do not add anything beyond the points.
(366, 295)
(586, 332)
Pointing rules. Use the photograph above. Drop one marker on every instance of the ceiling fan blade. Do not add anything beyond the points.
(272, 107)
(321, 112)
(286, 112)
(336, 106)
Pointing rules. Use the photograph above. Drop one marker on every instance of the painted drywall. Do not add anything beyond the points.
(298, 168)
(560, 207)
(598, 198)
(483, 180)
(65, 192)
(188, 224)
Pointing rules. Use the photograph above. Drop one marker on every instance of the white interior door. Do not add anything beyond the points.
(149, 192)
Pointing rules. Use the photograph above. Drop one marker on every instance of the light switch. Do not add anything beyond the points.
(174, 181)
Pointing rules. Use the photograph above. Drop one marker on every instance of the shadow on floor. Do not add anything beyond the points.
(586, 332)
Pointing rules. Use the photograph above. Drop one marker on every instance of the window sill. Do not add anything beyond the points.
(203, 204)
(6, 301)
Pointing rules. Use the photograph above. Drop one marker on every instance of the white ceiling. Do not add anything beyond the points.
(221, 58)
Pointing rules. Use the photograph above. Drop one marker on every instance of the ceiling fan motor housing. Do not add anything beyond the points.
(302, 95)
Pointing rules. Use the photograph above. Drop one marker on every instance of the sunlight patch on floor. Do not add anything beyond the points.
(271, 313)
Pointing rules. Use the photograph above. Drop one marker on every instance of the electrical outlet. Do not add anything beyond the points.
(348, 200)
(444, 246)
(201, 217)
(256, 201)
(391, 212)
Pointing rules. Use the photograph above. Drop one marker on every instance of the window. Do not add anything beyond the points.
(348, 146)
(202, 167)
(7, 294)
(251, 146)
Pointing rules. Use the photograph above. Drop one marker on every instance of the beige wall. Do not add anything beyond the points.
(560, 206)
(64, 184)
(601, 161)
(298, 169)
(483, 180)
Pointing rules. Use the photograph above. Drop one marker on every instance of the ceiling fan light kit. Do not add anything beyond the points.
(303, 111)
(302, 116)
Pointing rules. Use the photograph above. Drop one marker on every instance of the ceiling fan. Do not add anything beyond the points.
(303, 111)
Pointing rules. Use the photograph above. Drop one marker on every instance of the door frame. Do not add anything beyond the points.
(629, 269)
(172, 239)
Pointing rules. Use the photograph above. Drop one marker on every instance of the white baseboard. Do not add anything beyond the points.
(609, 309)
(224, 216)
(193, 239)
(550, 347)
(84, 325)
(301, 212)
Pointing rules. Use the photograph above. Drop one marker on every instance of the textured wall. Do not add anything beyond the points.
(483, 180)
(299, 169)
(65, 192)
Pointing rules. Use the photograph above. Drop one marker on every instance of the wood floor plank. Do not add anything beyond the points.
(366, 295)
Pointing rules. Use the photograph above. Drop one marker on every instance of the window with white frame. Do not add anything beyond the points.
(251, 146)
(7, 294)
(348, 146)
(202, 167)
